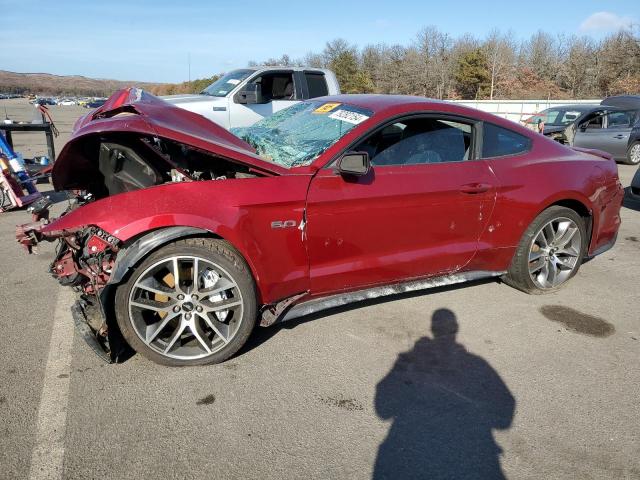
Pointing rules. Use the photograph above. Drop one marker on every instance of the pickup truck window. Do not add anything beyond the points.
(317, 84)
(226, 83)
(297, 135)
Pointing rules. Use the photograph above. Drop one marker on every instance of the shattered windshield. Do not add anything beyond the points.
(226, 83)
(295, 136)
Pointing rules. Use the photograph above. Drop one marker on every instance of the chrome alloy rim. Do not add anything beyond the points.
(554, 253)
(185, 307)
(634, 155)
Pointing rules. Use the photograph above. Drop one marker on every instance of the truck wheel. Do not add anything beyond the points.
(633, 154)
(550, 252)
(192, 302)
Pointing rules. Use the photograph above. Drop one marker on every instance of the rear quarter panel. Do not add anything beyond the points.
(549, 174)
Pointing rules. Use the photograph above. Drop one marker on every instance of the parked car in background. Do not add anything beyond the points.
(613, 126)
(611, 129)
(634, 188)
(94, 103)
(44, 101)
(242, 97)
(67, 102)
(560, 123)
(188, 234)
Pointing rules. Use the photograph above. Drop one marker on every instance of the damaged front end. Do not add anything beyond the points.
(84, 261)
(134, 142)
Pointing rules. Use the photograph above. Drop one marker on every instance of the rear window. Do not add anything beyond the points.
(501, 142)
(317, 84)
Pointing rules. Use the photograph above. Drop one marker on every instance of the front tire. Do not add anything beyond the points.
(192, 302)
(633, 154)
(550, 252)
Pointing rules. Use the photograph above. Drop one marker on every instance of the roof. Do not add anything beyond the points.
(631, 102)
(580, 107)
(379, 102)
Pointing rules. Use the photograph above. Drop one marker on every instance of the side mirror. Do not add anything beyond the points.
(250, 94)
(354, 163)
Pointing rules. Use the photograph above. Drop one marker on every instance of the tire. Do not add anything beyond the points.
(181, 323)
(540, 250)
(633, 154)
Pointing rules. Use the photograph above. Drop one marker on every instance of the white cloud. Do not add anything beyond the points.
(606, 21)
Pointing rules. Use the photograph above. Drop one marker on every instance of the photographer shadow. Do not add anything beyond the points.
(444, 403)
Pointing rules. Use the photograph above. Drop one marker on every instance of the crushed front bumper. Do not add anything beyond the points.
(93, 326)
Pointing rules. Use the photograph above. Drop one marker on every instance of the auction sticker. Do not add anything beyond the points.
(348, 116)
(326, 107)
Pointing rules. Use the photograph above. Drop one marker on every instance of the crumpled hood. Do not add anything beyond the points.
(134, 111)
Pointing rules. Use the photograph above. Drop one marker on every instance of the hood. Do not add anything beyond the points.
(132, 110)
(188, 98)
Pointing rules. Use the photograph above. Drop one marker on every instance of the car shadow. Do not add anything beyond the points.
(261, 335)
(629, 201)
(444, 403)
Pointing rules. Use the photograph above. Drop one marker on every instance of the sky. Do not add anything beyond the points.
(154, 40)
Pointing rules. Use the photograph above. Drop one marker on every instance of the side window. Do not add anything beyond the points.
(618, 119)
(317, 84)
(277, 86)
(501, 142)
(593, 121)
(419, 141)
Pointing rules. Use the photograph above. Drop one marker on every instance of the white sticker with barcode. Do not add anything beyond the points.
(348, 116)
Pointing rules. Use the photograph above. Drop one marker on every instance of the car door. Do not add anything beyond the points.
(278, 92)
(418, 212)
(591, 132)
(618, 129)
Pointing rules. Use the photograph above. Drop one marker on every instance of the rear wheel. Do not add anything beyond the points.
(550, 252)
(633, 154)
(192, 302)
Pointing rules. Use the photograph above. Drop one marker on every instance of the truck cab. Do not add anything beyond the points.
(242, 97)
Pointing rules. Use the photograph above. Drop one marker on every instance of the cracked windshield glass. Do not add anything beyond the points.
(297, 135)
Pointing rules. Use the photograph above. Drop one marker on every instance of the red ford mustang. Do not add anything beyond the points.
(185, 235)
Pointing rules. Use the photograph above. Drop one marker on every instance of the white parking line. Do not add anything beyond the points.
(48, 452)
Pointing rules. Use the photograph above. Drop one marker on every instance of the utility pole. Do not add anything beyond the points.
(189, 62)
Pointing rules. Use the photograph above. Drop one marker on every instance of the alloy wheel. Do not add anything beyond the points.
(554, 253)
(185, 307)
(634, 154)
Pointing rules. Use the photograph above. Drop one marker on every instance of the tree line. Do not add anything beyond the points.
(435, 64)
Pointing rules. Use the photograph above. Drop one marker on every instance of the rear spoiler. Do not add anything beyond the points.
(594, 152)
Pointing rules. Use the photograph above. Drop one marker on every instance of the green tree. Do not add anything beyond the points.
(472, 74)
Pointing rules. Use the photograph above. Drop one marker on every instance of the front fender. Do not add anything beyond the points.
(241, 211)
(129, 256)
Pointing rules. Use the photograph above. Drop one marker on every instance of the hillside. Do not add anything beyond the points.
(48, 84)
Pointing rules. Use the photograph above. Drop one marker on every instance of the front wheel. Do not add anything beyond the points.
(633, 154)
(550, 252)
(192, 302)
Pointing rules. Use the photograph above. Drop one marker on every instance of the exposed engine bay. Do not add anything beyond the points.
(127, 162)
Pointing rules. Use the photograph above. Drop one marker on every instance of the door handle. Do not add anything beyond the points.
(620, 136)
(472, 188)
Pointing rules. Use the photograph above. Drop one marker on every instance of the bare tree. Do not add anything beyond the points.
(500, 50)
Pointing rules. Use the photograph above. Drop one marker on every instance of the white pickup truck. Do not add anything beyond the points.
(242, 97)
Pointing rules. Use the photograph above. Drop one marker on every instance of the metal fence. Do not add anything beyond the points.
(519, 110)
